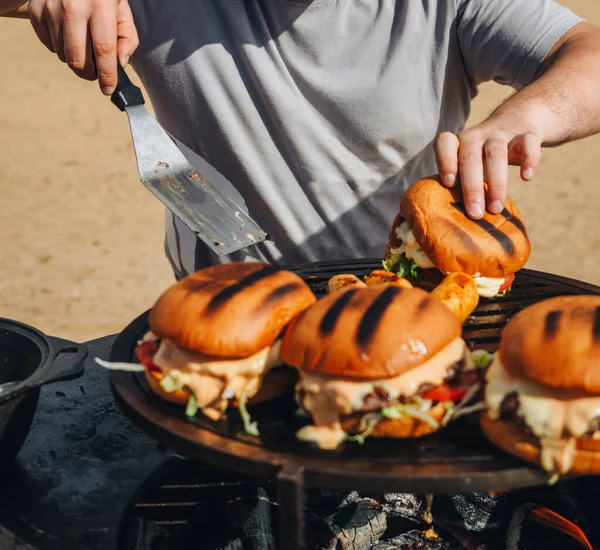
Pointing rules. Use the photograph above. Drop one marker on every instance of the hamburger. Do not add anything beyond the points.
(542, 395)
(215, 336)
(382, 361)
(432, 236)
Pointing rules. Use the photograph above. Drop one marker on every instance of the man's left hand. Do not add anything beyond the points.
(483, 153)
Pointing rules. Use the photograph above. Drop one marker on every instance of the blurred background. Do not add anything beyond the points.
(81, 250)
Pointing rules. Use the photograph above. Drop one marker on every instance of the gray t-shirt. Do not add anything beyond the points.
(322, 112)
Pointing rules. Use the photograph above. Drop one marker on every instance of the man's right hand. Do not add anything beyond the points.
(69, 28)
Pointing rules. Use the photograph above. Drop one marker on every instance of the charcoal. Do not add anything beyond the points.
(475, 512)
(405, 512)
(324, 503)
(355, 526)
(413, 540)
(250, 516)
(146, 535)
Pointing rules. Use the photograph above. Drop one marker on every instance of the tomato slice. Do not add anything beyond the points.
(444, 393)
(145, 353)
(508, 281)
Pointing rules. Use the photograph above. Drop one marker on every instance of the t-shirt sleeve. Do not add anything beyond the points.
(146, 15)
(507, 40)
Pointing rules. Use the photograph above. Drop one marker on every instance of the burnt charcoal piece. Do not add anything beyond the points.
(146, 535)
(405, 512)
(324, 503)
(414, 540)
(250, 517)
(475, 512)
(356, 526)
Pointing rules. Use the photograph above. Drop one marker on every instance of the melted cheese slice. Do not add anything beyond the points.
(410, 248)
(557, 417)
(215, 381)
(326, 398)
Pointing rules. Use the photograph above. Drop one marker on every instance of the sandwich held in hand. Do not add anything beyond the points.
(432, 236)
(215, 336)
(543, 386)
(382, 361)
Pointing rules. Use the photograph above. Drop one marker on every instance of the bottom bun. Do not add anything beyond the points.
(511, 438)
(407, 426)
(276, 383)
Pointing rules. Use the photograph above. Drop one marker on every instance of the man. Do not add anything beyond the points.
(322, 112)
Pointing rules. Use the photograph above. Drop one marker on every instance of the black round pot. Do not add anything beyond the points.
(31, 359)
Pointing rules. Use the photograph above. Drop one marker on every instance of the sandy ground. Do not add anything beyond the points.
(81, 239)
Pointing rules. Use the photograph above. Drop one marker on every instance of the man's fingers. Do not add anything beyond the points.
(470, 167)
(103, 27)
(36, 12)
(76, 37)
(446, 152)
(127, 37)
(53, 19)
(529, 149)
(496, 169)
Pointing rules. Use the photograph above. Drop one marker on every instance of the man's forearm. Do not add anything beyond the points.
(13, 8)
(563, 103)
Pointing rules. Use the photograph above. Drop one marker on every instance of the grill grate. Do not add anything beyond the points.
(457, 458)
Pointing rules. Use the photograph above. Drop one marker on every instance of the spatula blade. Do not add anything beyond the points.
(190, 195)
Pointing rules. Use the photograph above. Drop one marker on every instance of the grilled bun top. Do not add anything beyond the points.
(369, 333)
(230, 310)
(555, 342)
(495, 246)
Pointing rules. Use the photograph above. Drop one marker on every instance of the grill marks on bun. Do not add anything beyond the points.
(369, 324)
(502, 238)
(552, 323)
(331, 317)
(221, 298)
(231, 310)
(596, 325)
(495, 246)
(369, 333)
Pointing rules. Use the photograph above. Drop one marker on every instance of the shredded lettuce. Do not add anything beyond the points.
(171, 382)
(503, 293)
(408, 268)
(389, 264)
(366, 427)
(398, 411)
(481, 358)
(450, 411)
(191, 408)
(400, 264)
(127, 367)
(249, 426)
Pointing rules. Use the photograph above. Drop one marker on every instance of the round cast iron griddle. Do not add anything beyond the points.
(457, 458)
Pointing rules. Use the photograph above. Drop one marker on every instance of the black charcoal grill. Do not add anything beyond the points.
(458, 459)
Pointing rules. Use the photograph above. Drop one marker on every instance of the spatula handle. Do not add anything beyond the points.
(126, 94)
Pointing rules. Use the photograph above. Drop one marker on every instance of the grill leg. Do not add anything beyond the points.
(290, 493)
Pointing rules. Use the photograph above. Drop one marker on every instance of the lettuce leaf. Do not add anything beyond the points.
(400, 264)
(366, 427)
(249, 426)
(481, 358)
(191, 409)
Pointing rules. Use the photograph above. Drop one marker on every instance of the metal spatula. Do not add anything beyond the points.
(189, 194)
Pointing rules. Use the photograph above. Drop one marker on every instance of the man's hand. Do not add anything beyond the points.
(483, 153)
(562, 104)
(70, 28)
